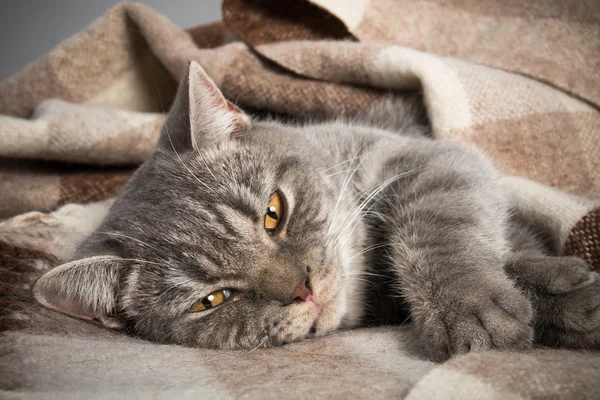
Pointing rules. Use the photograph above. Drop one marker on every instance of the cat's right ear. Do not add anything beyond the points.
(85, 289)
(200, 115)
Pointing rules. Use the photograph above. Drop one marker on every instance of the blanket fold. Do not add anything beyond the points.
(552, 41)
(518, 80)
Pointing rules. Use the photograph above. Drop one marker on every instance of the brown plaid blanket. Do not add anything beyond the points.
(518, 79)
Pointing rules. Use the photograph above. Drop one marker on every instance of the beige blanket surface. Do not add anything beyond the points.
(518, 79)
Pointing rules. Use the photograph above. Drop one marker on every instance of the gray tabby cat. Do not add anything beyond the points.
(239, 234)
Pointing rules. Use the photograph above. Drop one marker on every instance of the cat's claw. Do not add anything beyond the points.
(496, 316)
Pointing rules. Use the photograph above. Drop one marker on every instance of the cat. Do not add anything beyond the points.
(242, 233)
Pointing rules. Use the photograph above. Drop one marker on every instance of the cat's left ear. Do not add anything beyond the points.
(85, 289)
(200, 115)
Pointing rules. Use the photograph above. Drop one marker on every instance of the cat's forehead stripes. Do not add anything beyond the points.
(288, 165)
(243, 201)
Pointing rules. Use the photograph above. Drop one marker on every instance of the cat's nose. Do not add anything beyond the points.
(285, 283)
(303, 290)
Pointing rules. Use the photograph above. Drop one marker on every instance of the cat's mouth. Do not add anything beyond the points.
(326, 318)
(324, 299)
(313, 328)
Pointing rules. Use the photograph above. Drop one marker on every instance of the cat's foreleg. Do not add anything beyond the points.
(448, 246)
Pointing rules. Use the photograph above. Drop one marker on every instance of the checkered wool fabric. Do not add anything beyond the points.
(518, 79)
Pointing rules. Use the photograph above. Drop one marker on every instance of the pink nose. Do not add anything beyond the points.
(302, 292)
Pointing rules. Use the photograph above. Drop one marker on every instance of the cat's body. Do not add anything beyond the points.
(378, 225)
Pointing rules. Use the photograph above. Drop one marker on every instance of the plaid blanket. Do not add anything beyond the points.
(518, 79)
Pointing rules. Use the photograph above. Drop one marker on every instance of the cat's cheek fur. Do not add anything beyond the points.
(257, 325)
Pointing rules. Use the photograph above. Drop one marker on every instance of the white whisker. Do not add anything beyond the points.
(140, 261)
(347, 180)
(260, 344)
(181, 160)
(356, 217)
(117, 234)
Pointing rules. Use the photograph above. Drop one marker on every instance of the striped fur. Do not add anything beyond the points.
(389, 226)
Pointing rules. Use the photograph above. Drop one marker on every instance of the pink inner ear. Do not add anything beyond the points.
(217, 97)
(213, 91)
(233, 108)
(213, 118)
(71, 306)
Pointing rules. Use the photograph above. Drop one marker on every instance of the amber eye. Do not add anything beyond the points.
(274, 213)
(212, 300)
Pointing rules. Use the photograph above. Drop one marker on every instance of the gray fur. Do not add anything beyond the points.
(375, 211)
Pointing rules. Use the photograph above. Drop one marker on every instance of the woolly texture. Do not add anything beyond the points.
(584, 239)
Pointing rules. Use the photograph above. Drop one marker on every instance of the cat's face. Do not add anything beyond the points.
(229, 236)
(217, 236)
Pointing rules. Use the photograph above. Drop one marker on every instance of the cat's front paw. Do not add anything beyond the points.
(550, 275)
(476, 317)
(571, 319)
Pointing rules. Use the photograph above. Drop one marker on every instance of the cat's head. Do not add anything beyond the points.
(226, 237)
